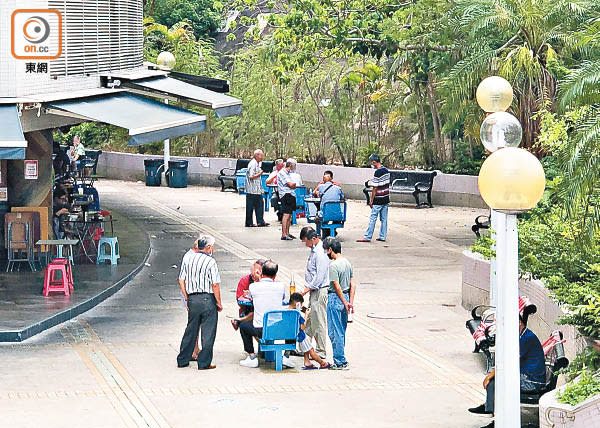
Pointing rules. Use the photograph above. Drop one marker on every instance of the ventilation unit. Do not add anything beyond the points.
(99, 36)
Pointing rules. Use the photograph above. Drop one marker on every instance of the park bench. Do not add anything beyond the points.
(481, 222)
(230, 174)
(482, 328)
(408, 182)
(280, 331)
(227, 175)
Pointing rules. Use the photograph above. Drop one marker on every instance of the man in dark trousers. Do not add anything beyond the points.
(533, 370)
(199, 282)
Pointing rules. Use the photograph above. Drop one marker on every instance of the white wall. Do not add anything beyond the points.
(448, 189)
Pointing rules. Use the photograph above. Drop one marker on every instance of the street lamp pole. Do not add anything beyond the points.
(511, 181)
(507, 394)
(167, 61)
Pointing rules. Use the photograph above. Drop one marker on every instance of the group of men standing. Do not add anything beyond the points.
(329, 282)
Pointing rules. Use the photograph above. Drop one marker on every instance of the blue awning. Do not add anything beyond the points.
(163, 87)
(12, 140)
(148, 121)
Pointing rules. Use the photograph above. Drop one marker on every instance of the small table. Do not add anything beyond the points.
(313, 205)
(85, 234)
(58, 243)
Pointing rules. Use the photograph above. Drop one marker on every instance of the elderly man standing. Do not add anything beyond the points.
(199, 282)
(317, 281)
(286, 187)
(254, 191)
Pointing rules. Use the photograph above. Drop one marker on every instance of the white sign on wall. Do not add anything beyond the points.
(31, 169)
(205, 162)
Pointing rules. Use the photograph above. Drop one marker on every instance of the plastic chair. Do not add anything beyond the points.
(280, 330)
(114, 255)
(333, 216)
(52, 284)
(300, 195)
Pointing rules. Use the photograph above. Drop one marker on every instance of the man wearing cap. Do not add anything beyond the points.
(532, 370)
(379, 201)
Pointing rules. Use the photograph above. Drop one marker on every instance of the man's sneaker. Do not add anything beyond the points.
(287, 362)
(343, 366)
(249, 362)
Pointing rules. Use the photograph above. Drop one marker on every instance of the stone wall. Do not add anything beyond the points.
(448, 189)
(476, 289)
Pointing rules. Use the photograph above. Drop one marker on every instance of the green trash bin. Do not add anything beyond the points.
(177, 173)
(154, 168)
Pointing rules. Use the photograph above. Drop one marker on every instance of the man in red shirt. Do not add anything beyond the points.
(241, 295)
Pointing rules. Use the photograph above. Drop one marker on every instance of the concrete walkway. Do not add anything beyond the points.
(410, 355)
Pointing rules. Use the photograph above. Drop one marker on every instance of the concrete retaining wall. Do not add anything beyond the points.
(476, 291)
(448, 189)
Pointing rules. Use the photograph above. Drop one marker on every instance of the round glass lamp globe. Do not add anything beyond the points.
(166, 59)
(500, 130)
(494, 94)
(512, 180)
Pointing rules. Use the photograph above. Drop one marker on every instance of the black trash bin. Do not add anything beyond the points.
(154, 168)
(177, 173)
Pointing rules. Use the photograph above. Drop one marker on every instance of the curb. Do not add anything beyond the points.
(59, 318)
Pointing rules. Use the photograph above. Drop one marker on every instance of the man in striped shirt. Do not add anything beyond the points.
(199, 281)
(380, 200)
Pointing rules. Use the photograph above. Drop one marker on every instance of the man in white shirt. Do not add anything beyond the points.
(286, 187)
(266, 295)
(254, 191)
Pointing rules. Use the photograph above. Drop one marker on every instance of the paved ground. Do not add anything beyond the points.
(22, 305)
(115, 365)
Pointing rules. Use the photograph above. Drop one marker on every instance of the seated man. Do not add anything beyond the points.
(533, 370)
(241, 295)
(329, 191)
(60, 207)
(266, 295)
(327, 178)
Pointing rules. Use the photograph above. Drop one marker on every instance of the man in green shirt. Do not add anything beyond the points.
(340, 300)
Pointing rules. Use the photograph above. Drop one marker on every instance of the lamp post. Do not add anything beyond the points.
(167, 61)
(511, 181)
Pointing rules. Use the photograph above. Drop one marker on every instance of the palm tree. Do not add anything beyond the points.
(581, 155)
(519, 40)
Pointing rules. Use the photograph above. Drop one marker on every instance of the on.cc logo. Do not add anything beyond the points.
(36, 30)
(36, 34)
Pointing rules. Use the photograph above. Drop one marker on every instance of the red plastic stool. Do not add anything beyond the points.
(64, 284)
(67, 263)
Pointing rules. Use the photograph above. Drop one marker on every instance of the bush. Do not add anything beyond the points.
(587, 386)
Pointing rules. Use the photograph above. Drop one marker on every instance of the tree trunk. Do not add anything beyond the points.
(437, 137)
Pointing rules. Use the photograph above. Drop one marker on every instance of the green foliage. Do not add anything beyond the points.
(204, 16)
(483, 245)
(587, 386)
(467, 159)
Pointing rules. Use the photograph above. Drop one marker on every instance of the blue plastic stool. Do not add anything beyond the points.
(59, 252)
(114, 250)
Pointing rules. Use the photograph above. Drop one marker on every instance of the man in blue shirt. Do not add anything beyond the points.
(532, 365)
